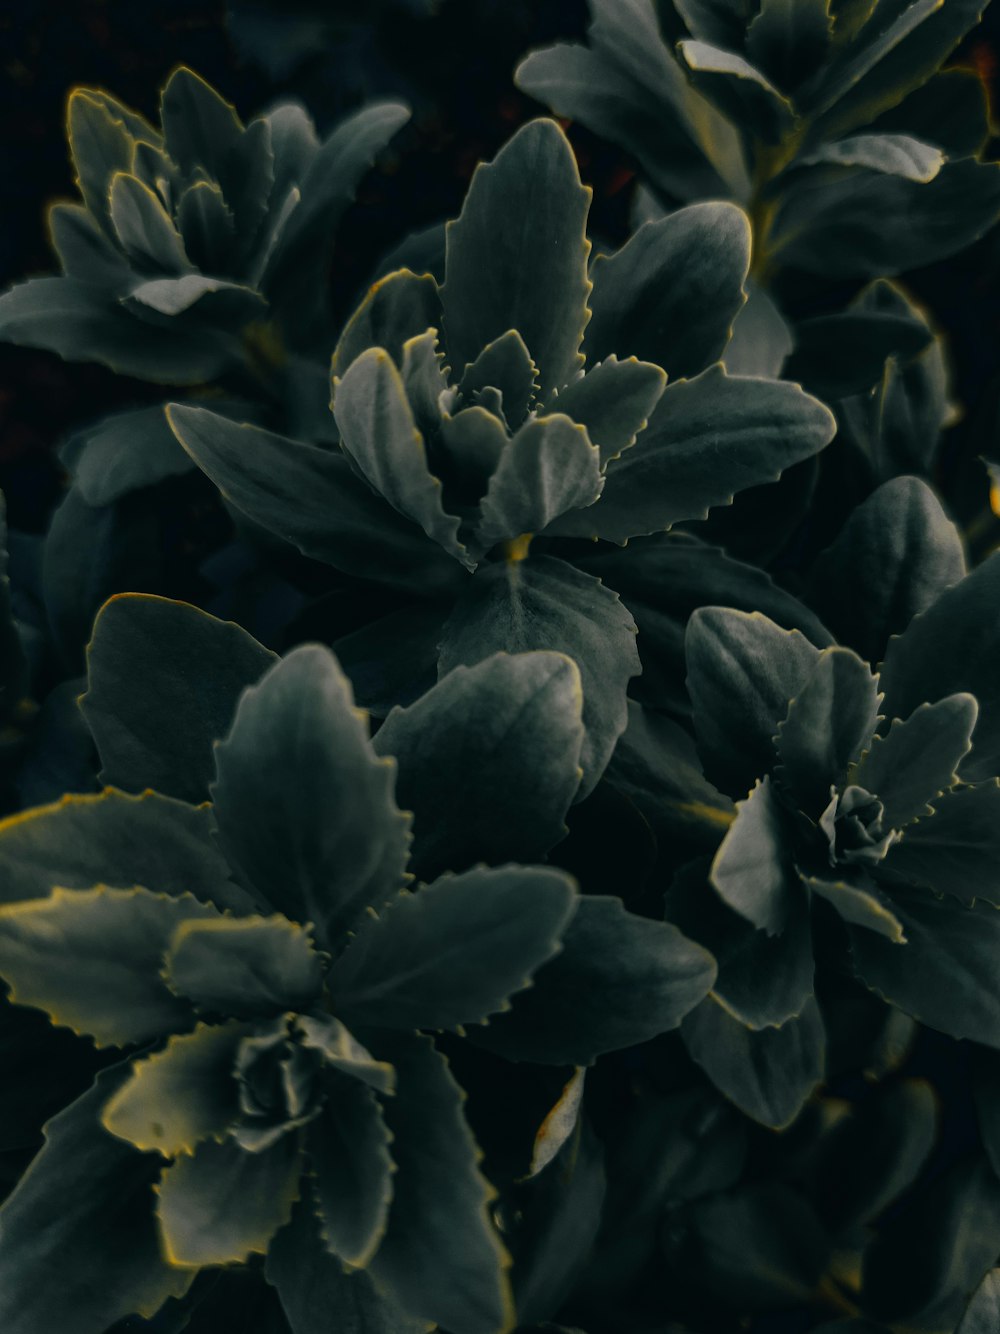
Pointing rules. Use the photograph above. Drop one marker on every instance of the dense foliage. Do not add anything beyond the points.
(542, 871)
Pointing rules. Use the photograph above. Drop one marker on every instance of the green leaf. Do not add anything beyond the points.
(654, 115)
(151, 728)
(488, 761)
(220, 1204)
(327, 188)
(181, 1095)
(893, 154)
(761, 339)
(739, 90)
(947, 974)
(829, 723)
(613, 401)
(144, 228)
(91, 959)
(303, 806)
(81, 322)
(144, 840)
(671, 294)
(549, 468)
(517, 256)
(85, 251)
(901, 531)
(862, 904)
(86, 1196)
(949, 110)
(619, 980)
(982, 1315)
(787, 39)
(396, 308)
(885, 61)
(927, 1259)
(341, 1051)
(207, 227)
(124, 453)
(708, 439)
(751, 870)
(200, 128)
(845, 353)
(763, 981)
(253, 966)
(101, 145)
(952, 646)
(544, 603)
(876, 1152)
(743, 670)
(663, 579)
(454, 952)
(762, 1246)
(918, 758)
(441, 1258)
(312, 498)
(853, 222)
(506, 365)
(769, 1073)
(722, 22)
(230, 305)
(952, 850)
(348, 1148)
(378, 433)
(312, 1283)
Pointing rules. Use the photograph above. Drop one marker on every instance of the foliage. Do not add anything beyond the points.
(536, 868)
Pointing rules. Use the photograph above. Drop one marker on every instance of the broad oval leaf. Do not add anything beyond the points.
(454, 952)
(252, 966)
(487, 761)
(303, 805)
(517, 256)
(163, 681)
(752, 871)
(517, 606)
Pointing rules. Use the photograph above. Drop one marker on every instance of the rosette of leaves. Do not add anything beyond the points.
(832, 123)
(860, 797)
(488, 424)
(274, 976)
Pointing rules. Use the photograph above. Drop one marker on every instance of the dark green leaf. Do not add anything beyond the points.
(181, 1095)
(91, 959)
(618, 981)
(924, 1264)
(304, 807)
(312, 1283)
(613, 401)
(739, 90)
(949, 110)
(379, 434)
(506, 365)
(146, 840)
(842, 354)
(892, 154)
(163, 681)
(952, 646)
(251, 966)
(982, 1315)
(787, 39)
(743, 670)
(342, 1051)
(751, 870)
(769, 1073)
(441, 1258)
(312, 498)
(87, 1196)
(517, 256)
(397, 308)
(453, 953)
(763, 981)
(901, 531)
(220, 1203)
(947, 974)
(488, 761)
(708, 438)
(952, 850)
(544, 603)
(671, 294)
(144, 228)
(862, 904)
(124, 453)
(829, 723)
(761, 339)
(348, 1147)
(549, 468)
